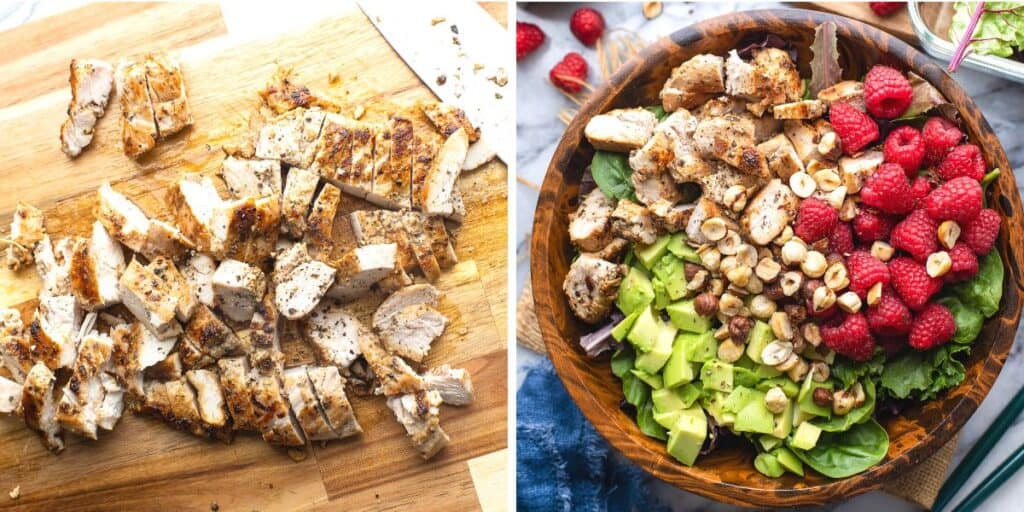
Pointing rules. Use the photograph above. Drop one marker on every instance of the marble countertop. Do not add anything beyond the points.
(539, 130)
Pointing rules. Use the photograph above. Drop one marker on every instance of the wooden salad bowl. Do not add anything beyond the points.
(728, 473)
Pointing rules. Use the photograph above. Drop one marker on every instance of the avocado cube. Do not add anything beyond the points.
(661, 298)
(667, 399)
(685, 317)
(688, 393)
(635, 291)
(768, 442)
(765, 372)
(755, 417)
(652, 380)
(667, 419)
(653, 360)
(806, 436)
(789, 388)
(677, 370)
(760, 336)
(677, 246)
(713, 403)
(686, 437)
(805, 399)
(783, 422)
(671, 272)
(699, 347)
(739, 398)
(788, 460)
(768, 465)
(716, 375)
(742, 376)
(650, 254)
(646, 330)
(620, 331)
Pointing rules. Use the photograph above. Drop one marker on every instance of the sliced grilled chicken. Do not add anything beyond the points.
(198, 271)
(291, 137)
(191, 355)
(592, 284)
(298, 194)
(418, 413)
(194, 199)
(53, 264)
(590, 224)
(847, 91)
(410, 332)
(358, 180)
(174, 402)
(150, 299)
(730, 138)
(26, 231)
(15, 345)
(319, 235)
(383, 227)
(91, 83)
(783, 160)
(722, 177)
(96, 265)
(621, 129)
(453, 384)
(274, 418)
(421, 244)
(303, 288)
(409, 296)
(693, 82)
(440, 241)
(264, 335)
(361, 268)
(672, 218)
(804, 137)
(305, 405)
(393, 375)
(650, 188)
(392, 184)
(282, 94)
(213, 337)
(237, 287)
(84, 392)
(109, 411)
(177, 284)
(332, 156)
(165, 240)
(210, 402)
(447, 119)
(769, 212)
(39, 409)
(246, 229)
(138, 121)
(424, 152)
(170, 368)
(633, 222)
(166, 87)
(329, 387)
(333, 334)
(122, 218)
(439, 183)
(54, 330)
(251, 177)
(10, 396)
(769, 79)
(135, 349)
(237, 384)
(803, 109)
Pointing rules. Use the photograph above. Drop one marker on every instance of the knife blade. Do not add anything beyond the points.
(461, 53)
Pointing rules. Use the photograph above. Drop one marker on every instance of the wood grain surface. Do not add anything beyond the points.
(728, 473)
(144, 464)
(937, 15)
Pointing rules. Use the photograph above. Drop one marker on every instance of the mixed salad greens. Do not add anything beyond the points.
(987, 28)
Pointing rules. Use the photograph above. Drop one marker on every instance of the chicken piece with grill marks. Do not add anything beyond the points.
(92, 81)
(329, 387)
(38, 407)
(26, 231)
(84, 393)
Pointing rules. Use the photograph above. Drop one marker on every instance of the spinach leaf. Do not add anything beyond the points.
(622, 360)
(859, 415)
(847, 371)
(842, 454)
(658, 111)
(645, 420)
(968, 320)
(612, 174)
(984, 290)
(635, 390)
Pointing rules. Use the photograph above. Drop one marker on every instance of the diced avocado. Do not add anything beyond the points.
(743, 377)
(652, 380)
(716, 374)
(650, 254)
(653, 360)
(755, 417)
(783, 422)
(713, 403)
(620, 331)
(661, 299)
(800, 416)
(769, 442)
(646, 330)
(805, 399)
(739, 397)
(806, 436)
(668, 399)
(765, 372)
(744, 362)
(788, 460)
(687, 436)
(684, 316)
(760, 336)
(789, 388)
(688, 393)
(667, 419)
(677, 246)
(677, 370)
(768, 465)
(635, 291)
(699, 347)
(671, 272)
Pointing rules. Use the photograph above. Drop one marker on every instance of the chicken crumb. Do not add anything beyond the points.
(437, 20)
(214, 506)
(15, 493)
(333, 78)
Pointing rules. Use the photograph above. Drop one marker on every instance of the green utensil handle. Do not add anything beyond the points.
(981, 449)
(992, 482)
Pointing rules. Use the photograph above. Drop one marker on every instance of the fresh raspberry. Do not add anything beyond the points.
(965, 263)
(904, 146)
(569, 74)
(529, 37)
(890, 316)
(963, 160)
(916, 234)
(888, 190)
(887, 93)
(933, 326)
(912, 282)
(940, 136)
(815, 220)
(855, 128)
(587, 25)
(920, 189)
(851, 338)
(871, 225)
(958, 199)
(864, 271)
(980, 234)
(840, 239)
(884, 9)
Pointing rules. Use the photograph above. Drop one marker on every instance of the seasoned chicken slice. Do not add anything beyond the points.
(769, 79)
(730, 138)
(237, 287)
(654, 187)
(210, 401)
(174, 402)
(166, 87)
(723, 176)
(10, 396)
(212, 337)
(135, 349)
(418, 413)
(783, 160)
(304, 404)
(291, 137)
(138, 120)
(854, 170)
(246, 229)
(358, 178)
(84, 392)
(693, 82)
(440, 242)
(803, 109)
(424, 160)
(299, 189)
(178, 286)
(150, 299)
(91, 83)
(319, 235)
(592, 285)
(332, 157)
(54, 330)
(847, 91)
(329, 388)
(38, 407)
(409, 296)
(453, 384)
(96, 265)
(26, 231)
(191, 354)
(194, 199)
(274, 418)
(590, 224)
(382, 227)
(15, 345)
(111, 408)
(422, 247)
(264, 336)
(411, 332)
(361, 268)
(392, 180)
(621, 129)
(283, 94)
(671, 141)
(633, 222)
(300, 290)
(246, 177)
(392, 375)
(198, 271)
(237, 384)
(447, 119)
(165, 240)
(768, 213)
(439, 182)
(122, 218)
(333, 334)
(53, 264)
(170, 368)
(806, 136)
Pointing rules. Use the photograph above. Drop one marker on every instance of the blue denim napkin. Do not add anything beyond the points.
(562, 463)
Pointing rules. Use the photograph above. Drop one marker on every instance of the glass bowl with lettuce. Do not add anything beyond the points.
(985, 36)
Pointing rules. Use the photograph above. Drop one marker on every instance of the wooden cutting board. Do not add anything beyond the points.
(144, 464)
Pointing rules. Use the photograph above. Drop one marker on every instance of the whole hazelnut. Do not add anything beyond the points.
(739, 328)
(797, 313)
(773, 291)
(690, 270)
(705, 304)
(822, 397)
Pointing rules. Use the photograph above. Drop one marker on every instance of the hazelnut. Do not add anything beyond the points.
(776, 352)
(730, 243)
(849, 302)
(722, 333)
(796, 313)
(739, 276)
(762, 307)
(775, 400)
(705, 304)
(781, 326)
(651, 10)
(690, 270)
(802, 184)
(811, 333)
(949, 232)
(767, 269)
(836, 197)
(882, 251)
(730, 351)
(710, 258)
(773, 291)
(848, 211)
(794, 252)
(697, 281)
(874, 294)
(844, 401)
(819, 245)
(799, 370)
(830, 146)
(827, 180)
(739, 328)
(716, 286)
(791, 283)
(755, 285)
(746, 255)
(822, 397)
(810, 285)
(735, 198)
(729, 304)
(938, 264)
(791, 362)
(836, 277)
(822, 299)
(713, 229)
(785, 236)
(814, 264)
(728, 263)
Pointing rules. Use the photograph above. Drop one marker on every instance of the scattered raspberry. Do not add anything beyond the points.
(587, 25)
(529, 37)
(963, 160)
(887, 93)
(933, 326)
(940, 135)
(864, 271)
(920, 189)
(890, 317)
(815, 220)
(855, 128)
(851, 338)
(912, 282)
(980, 234)
(958, 199)
(569, 74)
(965, 263)
(888, 190)
(904, 146)
(840, 239)
(884, 9)
(871, 226)
(916, 234)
